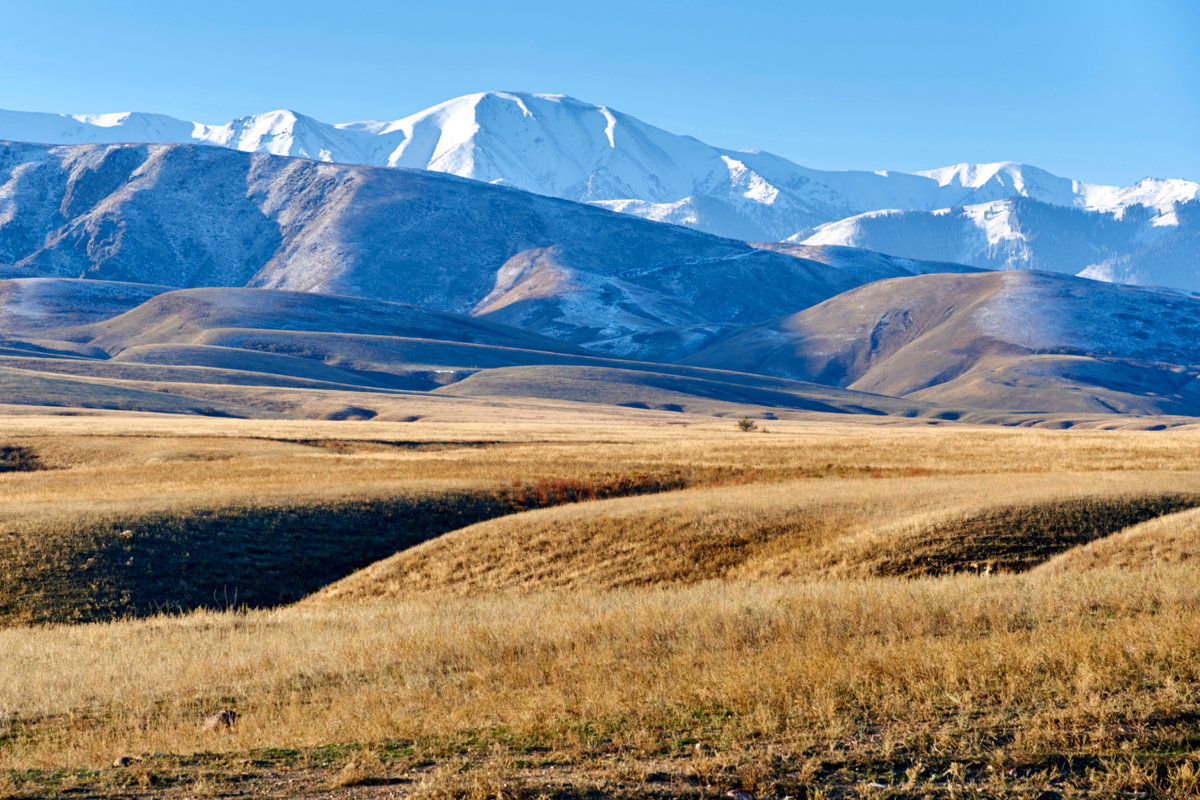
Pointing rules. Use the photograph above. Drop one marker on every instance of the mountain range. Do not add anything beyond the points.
(187, 216)
(1000, 215)
(189, 278)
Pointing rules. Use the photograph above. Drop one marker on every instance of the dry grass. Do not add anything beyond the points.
(1002, 672)
(733, 635)
(807, 528)
(161, 462)
(1172, 539)
(127, 518)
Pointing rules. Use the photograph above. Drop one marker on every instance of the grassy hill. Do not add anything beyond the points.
(902, 526)
(1021, 341)
(1168, 540)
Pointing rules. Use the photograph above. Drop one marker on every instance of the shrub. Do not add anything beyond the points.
(14, 458)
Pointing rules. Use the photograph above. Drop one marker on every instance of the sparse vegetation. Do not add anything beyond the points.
(745, 424)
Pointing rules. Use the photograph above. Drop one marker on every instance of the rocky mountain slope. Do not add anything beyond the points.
(190, 216)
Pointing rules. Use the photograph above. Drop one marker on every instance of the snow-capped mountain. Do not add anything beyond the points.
(562, 147)
(1135, 244)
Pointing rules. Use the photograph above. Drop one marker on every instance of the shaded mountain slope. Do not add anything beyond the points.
(865, 265)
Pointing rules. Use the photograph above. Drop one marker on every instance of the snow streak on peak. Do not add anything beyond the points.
(976, 175)
(1003, 180)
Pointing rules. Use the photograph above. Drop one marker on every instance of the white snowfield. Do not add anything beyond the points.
(1004, 214)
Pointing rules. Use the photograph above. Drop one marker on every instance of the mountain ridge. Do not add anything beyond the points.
(399, 143)
(187, 216)
(562, 147)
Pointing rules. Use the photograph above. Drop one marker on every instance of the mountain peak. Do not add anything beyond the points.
(973, 176)
(558, 145)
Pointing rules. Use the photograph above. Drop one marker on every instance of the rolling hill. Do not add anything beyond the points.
(665, 388)
(230, 344)
(783, 531)
(32, 305)
(1014, 340)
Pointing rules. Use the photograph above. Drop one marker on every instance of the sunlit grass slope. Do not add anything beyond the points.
(811, 528)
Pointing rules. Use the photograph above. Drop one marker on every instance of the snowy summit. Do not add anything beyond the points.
(998, 215)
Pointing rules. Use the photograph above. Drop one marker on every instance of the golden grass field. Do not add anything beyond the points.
(586, 602)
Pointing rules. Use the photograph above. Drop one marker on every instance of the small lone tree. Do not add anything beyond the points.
(745, 425)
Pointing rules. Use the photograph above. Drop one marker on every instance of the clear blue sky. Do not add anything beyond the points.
(1091, 89)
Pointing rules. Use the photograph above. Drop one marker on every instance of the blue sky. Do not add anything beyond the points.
(1097, 90)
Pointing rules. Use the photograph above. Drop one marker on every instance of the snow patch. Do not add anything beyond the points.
(610, 126)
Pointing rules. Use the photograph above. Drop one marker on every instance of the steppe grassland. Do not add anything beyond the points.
(162, 461)
(1174, 539)
(776, 674)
